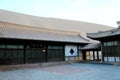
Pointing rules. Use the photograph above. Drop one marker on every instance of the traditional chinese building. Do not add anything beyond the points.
(32, 39)
(22, 44)
(110, 41)
(92, 52)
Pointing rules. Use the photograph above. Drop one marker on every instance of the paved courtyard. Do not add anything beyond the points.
(65, 72)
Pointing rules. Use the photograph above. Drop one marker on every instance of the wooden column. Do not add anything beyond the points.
(84, 55)
(102, 52)
(108, 53)
(115, 54)
(94, 55)
(119, 49)
(25, 57)
(97, 55)
(46, 52)
(64, 57)
(78, 53)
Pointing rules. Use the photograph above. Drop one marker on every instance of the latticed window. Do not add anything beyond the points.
(55, 47)
(110, 43)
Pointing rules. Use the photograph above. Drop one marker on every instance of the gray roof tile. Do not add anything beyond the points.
(8, 30)
(92, 46)
(102, 34)
(51, 23)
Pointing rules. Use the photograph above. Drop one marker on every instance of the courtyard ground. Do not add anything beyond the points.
(75, 71)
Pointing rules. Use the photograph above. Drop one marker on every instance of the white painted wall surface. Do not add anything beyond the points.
(117, 59)
(68, 48)
(105, 58)
(111, 59)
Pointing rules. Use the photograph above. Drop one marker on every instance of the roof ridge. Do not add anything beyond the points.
(116, 29)
(112, 30)
(83, 37)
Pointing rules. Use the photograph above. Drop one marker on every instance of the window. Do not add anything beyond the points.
(115, 43)
(111, 43)
(55, 47)
(21, 46)
(2, 46)
(105, 43)
(12, 46)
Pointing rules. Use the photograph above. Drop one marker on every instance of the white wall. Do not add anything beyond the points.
(68, 48)
(117, 58)
(105, 58)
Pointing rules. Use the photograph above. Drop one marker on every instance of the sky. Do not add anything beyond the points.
(104, 12)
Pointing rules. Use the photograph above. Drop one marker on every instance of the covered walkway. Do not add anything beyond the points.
(92, 52)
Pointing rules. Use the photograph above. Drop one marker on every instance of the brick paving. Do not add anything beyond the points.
(79, 71)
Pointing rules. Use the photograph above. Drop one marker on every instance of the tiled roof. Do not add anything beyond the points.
(92, 46)
(15, 31)
(103, 34)
(51, 23)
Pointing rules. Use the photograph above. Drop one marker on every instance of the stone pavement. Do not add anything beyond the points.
(79, 71)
